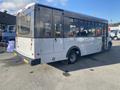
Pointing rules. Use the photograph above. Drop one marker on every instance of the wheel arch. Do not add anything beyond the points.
(73, 48)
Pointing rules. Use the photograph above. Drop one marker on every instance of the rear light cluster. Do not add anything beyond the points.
(31, 44)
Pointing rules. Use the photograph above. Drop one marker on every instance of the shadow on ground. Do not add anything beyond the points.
(13, 61)
(91, 61)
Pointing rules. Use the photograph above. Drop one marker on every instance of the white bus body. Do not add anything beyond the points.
(50, 40)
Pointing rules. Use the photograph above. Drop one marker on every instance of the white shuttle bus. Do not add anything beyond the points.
(46, 34)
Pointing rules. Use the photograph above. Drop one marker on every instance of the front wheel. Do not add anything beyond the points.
(115, 38)
(73, 57)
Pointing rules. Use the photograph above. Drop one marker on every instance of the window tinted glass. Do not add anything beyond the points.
(66, 26)
(24, 23)
(91, 29)
(99, 29)
(74, 26)
(43, 22)
(37, 23)
(87, 29)
(113, 31)
(57, 24)
(81, 30)
(71, 27)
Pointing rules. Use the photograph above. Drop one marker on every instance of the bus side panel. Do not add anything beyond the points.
(79, 42)
(47, 52)
(98, 44)
(86, 45)
(93, 44)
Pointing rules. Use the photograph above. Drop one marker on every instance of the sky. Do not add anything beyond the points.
(107, 9)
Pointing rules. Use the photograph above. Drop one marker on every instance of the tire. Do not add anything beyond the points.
(115, 38)
(72, 57)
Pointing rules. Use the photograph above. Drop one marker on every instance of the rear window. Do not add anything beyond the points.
(114, 31)
(24, 23)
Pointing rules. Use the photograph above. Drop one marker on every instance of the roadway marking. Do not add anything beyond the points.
(26, 61)
(15, 54)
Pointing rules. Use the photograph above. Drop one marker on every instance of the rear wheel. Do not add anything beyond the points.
(72, 57)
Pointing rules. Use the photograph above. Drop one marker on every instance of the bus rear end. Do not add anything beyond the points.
(25, 34)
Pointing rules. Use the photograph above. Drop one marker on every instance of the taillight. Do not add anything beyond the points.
(16, 39)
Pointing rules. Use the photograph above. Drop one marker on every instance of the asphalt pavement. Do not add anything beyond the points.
(94, 72)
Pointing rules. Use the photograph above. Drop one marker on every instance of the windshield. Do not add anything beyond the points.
(114, 31)
(24, 23)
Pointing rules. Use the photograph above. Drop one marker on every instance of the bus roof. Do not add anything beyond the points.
(76, 15)
(71, 14)
(84, 17)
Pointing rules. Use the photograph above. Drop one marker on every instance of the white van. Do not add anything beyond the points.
(9, 33)
(115, 34)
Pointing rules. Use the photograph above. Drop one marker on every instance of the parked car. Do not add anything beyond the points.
(115, 34)
(9, 33)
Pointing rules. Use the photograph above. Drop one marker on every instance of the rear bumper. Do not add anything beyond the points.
(27, 60)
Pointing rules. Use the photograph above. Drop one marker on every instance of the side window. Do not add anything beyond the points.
(99, 29)
(57, 24)
(84, 28)
(45, 22)
(24, 24)
(37, 31)
(74, 27)
(91, 29)
(82, 31)
(70, 27)
(66, 27)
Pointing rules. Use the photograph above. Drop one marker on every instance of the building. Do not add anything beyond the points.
(5, 20)
(115, 26)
